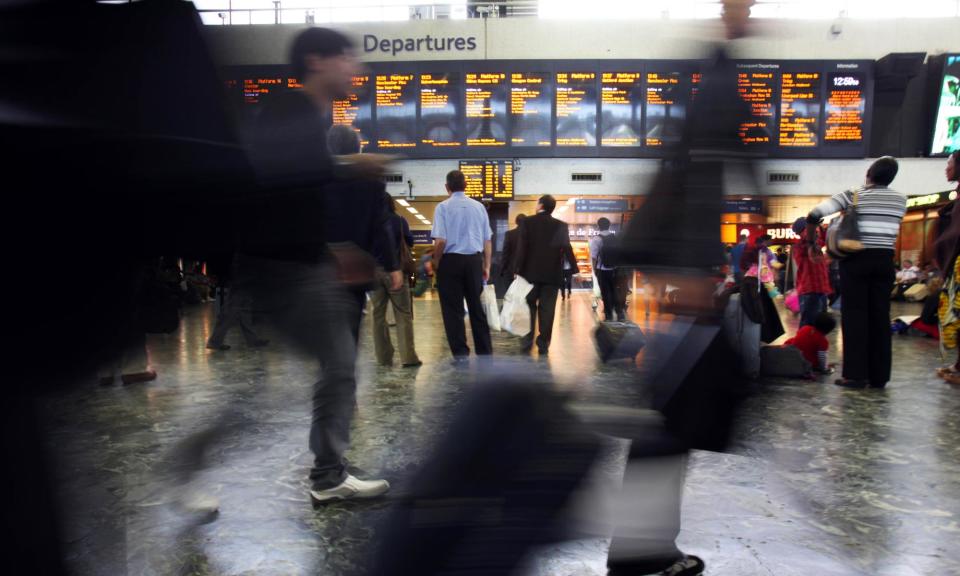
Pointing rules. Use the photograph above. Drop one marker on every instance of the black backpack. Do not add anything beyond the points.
(610, 250)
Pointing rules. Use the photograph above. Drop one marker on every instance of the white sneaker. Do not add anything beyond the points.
(350, 488)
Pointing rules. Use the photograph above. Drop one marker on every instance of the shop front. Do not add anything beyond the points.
(918, 231)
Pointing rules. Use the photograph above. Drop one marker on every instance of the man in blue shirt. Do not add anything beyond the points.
(736, 253)
(461, 258)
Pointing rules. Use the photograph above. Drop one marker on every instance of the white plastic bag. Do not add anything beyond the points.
(488, 298)
(515, 316)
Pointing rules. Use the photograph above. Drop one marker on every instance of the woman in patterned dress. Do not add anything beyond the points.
(947, 248)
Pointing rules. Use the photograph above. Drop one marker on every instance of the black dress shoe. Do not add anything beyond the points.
(220, 347)
(526, 345)
(878, 385)
(848, 383)
(543, 351)
(412, 364)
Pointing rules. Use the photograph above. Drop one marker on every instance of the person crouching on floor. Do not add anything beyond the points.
(812, 342)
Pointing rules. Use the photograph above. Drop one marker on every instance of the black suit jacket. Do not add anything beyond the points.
(542, 245)
(508, 260)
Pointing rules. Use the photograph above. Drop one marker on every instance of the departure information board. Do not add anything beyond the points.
(621, 108)
(799, 109)
(488, 179)
(666, 108)
(846, 108)
(574, 108)
(576, 111)
(485, 103)
(354, 111)
(530, 108)
(756, 84)
(440, 110)
(396, 105)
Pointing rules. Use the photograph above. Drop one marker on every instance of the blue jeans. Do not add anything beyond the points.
(811, 305)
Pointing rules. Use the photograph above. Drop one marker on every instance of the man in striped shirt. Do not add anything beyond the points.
(866, 276)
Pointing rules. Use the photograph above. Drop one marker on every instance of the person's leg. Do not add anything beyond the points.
(244, 316)
(228, 316)
(811, 305)
(547, 308)
(647, 515)
(450, 286)
(622, 285)
(403, 311)
(472, 288)
(379, 299)
(880, 338)
(854, 318)
(605, 277)
(533, 298)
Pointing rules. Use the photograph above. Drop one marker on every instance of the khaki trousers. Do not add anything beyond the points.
(402, 305)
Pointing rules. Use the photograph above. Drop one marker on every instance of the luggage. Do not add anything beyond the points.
(515, 315)
(916, 293)
(743, 334)
(618, 340)
(488, 298)
(784, 361)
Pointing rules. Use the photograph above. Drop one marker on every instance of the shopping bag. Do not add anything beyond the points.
(488, 298)
(515, 315)
(792, 301)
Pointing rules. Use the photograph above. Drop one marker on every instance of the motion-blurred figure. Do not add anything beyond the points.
(689, 365)
(285, 261)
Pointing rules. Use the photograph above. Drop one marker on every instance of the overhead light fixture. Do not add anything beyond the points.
(427, 222)
(562, 209)
(402, 202)
(572, 201)
(412, 210)
(747, 198)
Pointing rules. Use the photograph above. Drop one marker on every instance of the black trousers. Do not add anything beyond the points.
(459, 277)
(865, 281)
(567, 282)
(542, 300)
(609, 293)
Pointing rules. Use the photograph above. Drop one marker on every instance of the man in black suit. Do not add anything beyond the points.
(508, 258)
(543, 242)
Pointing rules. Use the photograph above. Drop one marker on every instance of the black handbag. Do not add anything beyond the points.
(843, 234)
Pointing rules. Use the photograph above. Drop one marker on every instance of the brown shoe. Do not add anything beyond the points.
(136, 377)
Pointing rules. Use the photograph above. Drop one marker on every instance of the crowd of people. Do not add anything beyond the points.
(310, 280)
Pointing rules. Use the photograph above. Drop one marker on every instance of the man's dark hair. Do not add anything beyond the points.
(548, 202)
(519, 218)
(342, 140)
(824, 323)
(456, 181)
(766, 239)
(883, 171)
(322, 42)
(603, 224)
(390, 202)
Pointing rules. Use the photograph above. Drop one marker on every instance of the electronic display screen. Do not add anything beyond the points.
(440, 110)
(488, 179)
(396, 106)
(576, 94)
(666, 108)
(531, 97)
(846, 108)
(485, 108)
(756, 84)
(799, 109)
(946, 130)
(621, 109)
(593, 108)
(355, 110)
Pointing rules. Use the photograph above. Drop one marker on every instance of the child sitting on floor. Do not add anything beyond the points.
(812, 342)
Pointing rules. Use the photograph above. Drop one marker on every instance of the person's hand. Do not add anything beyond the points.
(486, 273)
(396, 281)
(371, 165)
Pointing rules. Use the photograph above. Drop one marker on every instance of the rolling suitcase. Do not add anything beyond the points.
(743, 334)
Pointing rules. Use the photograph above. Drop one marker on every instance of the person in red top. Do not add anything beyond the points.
(812, 342)
(813, 275)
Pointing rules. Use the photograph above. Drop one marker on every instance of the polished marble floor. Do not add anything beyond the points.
(820, 481)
